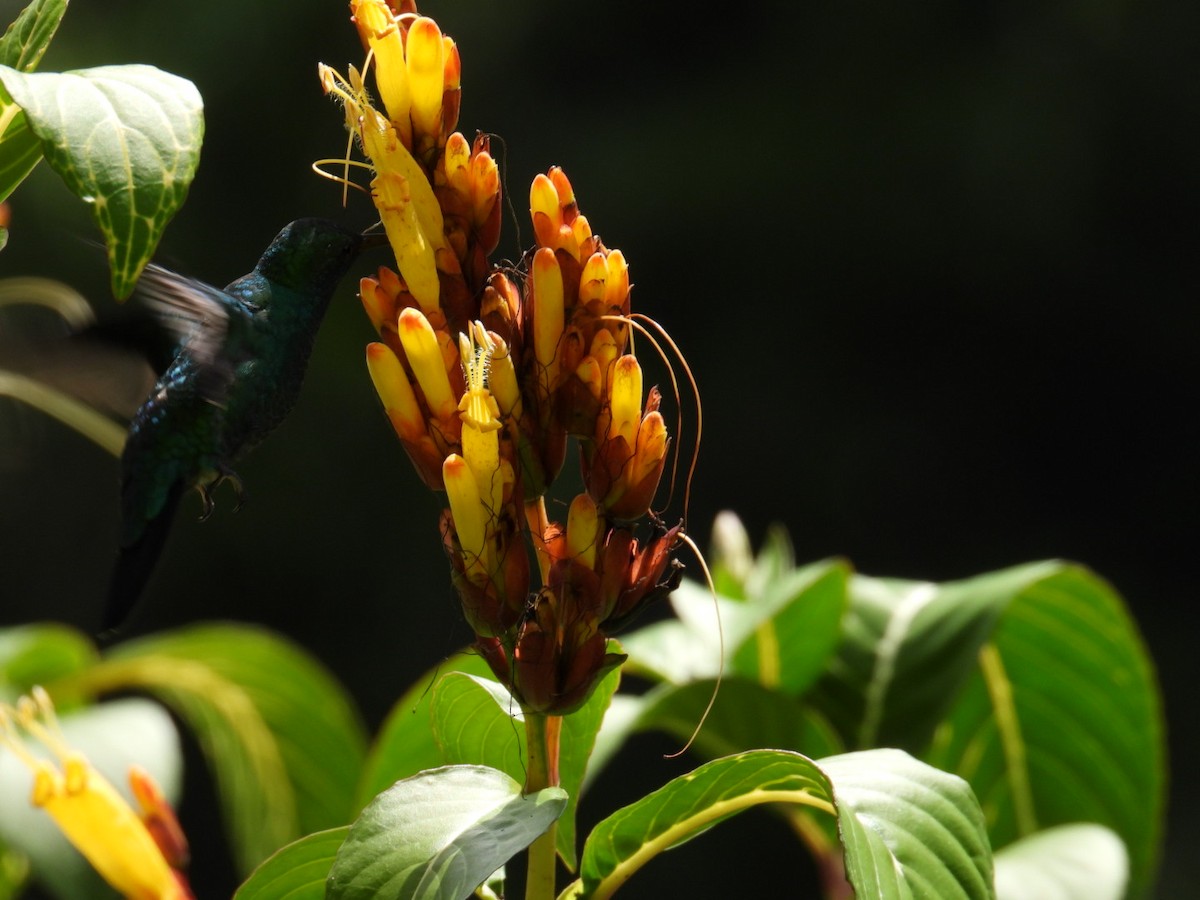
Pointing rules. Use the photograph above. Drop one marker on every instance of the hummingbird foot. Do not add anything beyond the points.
(206, 499)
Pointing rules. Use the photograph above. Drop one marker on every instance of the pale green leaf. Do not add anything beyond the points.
(439, 834)
(1068, 862)
(126, 141)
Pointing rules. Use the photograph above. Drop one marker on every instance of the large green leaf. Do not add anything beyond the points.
(439, 834)
(476, 720)
(282, 737)
(1060, 720)
(124, 139)
(27, 38)
(908, 830)
(297, 871)
(1069, 862)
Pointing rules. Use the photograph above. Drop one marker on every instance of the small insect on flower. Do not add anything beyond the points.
(134, 854)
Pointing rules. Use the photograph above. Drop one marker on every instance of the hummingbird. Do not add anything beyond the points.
(240, 356)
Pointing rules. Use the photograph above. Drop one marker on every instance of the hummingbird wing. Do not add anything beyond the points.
(205, 322)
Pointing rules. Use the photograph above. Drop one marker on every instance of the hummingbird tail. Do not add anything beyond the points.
(136, 561)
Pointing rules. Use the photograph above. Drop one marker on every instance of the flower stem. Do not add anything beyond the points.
(539, 522)
(542, 736)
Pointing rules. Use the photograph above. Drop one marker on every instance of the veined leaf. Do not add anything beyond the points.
(125, 140)
(908, 830)
(27, 38)
(439, 834)
(282, 737)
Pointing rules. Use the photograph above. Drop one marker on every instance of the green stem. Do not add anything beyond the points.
(542, 735)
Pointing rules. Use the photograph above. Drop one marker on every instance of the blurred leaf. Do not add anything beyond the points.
(439, 835)
(14, 872)
(282, 737)
(41, 654)
(909, 830)
(27, 38)
(112, 735)
(297, 871)
(126, 141)
(405, 744)
(1069, 862)
(476, 720)
(20, 150)
(1061, 719)
(746, 715)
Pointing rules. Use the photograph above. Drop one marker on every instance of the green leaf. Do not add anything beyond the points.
(906, 650)
(42, 654)
(1069, 862)
(405, 744)
(476, 720)
(29, 35)
(1060, 720)
(20, 149)
(908, 829)
(14, 872)
(439, 834)
(126, 141)
(282, 737)
(112, 736)
(297, 871)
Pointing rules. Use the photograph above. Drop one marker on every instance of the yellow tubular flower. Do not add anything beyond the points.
(391, 384)
(425, 356)
(481, 417)
(470, 518)
(546, 213)
(87, 808)
(502, 380)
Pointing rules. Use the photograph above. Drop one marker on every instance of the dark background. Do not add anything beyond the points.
(934, 266)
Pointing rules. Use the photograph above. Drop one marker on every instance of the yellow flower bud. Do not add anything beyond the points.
(470, 517)
(426, 74)
(548, 318)
(392, 386)
(425, 357)
(583, 529)
(626, 399)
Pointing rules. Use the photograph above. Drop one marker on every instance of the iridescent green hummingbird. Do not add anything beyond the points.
(241, 356)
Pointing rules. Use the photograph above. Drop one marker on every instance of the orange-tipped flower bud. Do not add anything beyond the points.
(392, 386)
(583, 530)
(470, 518)
(626, 400)
(548, 318)
(428, 364)
(426, 75)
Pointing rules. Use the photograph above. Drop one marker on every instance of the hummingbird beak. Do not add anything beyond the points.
(374, 239)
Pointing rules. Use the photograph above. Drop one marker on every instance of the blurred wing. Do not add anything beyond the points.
(204, 321)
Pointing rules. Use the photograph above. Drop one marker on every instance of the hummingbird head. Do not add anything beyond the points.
(311, 256)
